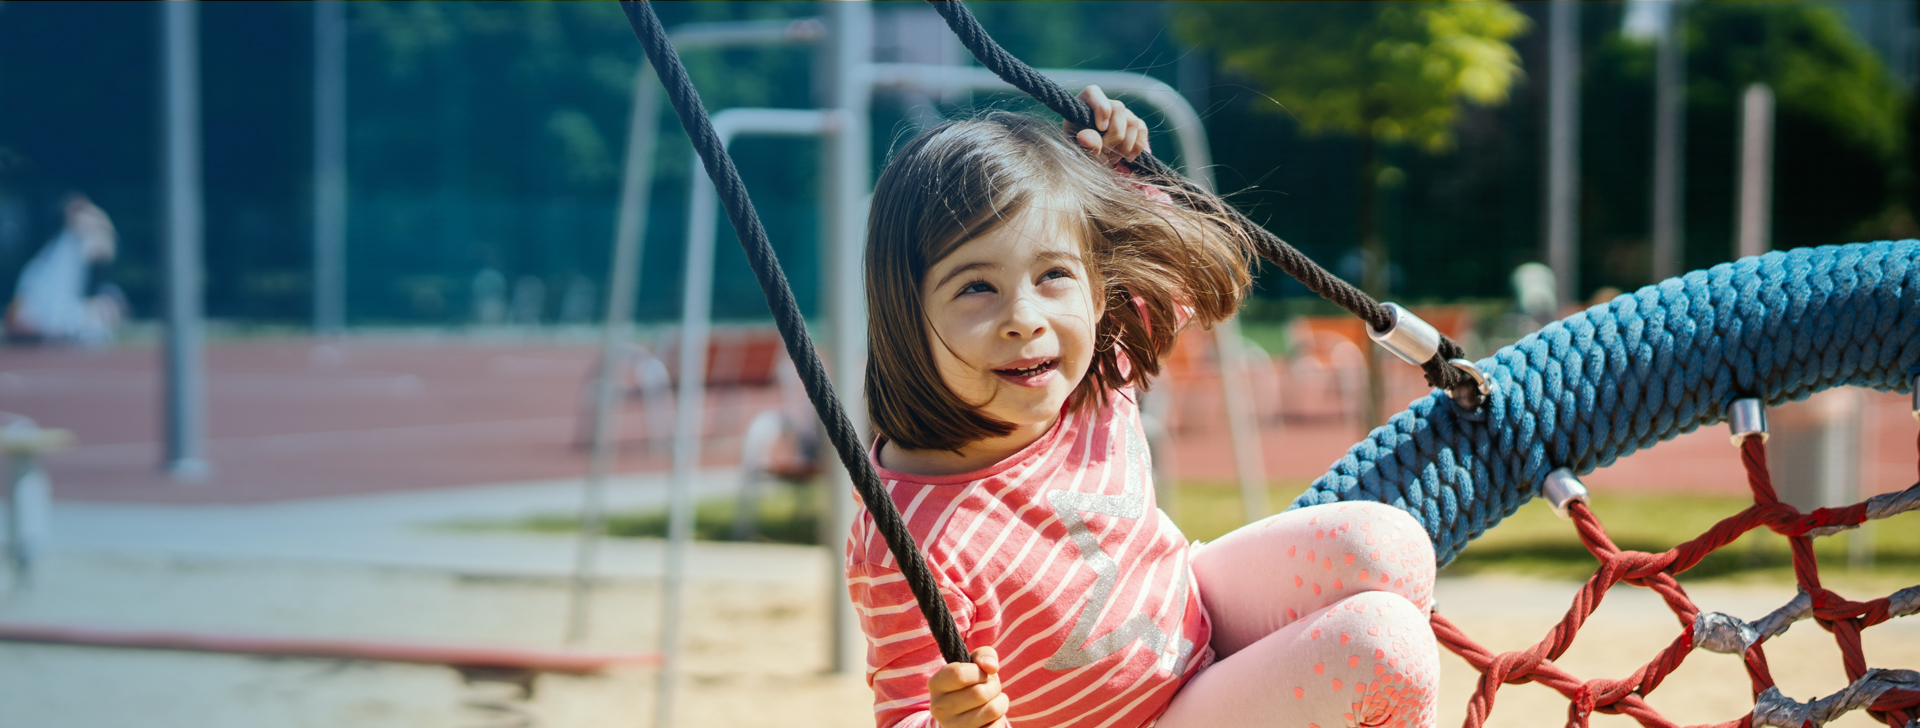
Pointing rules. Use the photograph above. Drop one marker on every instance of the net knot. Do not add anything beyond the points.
(1723, 633)
(1831, 607)
(1580, 708)
(1772, 708)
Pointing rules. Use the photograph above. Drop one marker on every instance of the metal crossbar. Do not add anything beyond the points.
(1891, 695)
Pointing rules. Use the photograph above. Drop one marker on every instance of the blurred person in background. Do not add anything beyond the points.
(1535, 299)
(63, 295)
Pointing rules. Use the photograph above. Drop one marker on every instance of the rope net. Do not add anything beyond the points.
(1890, 695)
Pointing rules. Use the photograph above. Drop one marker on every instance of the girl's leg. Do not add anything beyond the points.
(1271, 573)
(1367, 660)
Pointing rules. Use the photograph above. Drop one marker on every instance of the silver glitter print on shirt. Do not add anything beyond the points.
(1131, 503)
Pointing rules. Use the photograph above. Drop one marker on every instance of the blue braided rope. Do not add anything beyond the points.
(1644, 368)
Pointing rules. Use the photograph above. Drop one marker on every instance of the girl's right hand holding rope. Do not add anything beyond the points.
(967, 694)
(1119, 134)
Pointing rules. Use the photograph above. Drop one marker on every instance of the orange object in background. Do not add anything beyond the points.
(736, 357)
(1322, 379)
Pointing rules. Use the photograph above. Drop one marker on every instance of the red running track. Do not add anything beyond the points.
(296, 418)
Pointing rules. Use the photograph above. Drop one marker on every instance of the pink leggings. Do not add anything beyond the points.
(1319, 619)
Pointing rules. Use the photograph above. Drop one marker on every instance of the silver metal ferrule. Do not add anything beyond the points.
(1561, 489)
(1409, 338)
(1479, 378)
(1746, 417)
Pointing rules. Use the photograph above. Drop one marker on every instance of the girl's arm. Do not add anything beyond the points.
(902, 657)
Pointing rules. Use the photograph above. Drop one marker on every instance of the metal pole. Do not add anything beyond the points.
(1669, 146)
(1183, 121)
(642, 129)
(1843, 465)
(329, 166)
(695, 323)
(1243, 423)
(623, 278)
(181, 202)
(847, 169)
(1563, 154)
(27, 492)
(695, 303)
(1755, 235)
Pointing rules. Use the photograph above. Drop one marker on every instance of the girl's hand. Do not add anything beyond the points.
(1125, 135)
(967, 695)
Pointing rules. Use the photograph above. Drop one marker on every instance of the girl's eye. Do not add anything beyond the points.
(1055, 273)
(976, 287)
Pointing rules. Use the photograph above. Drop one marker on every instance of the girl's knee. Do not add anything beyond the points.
(1384, 520)
(1390, 549)
(1387, 658)
(1395, 632)
(1390, 619)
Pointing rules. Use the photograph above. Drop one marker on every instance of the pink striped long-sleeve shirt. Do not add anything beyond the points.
(1059, 559)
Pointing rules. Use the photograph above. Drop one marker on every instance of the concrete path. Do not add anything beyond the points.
(410, 528)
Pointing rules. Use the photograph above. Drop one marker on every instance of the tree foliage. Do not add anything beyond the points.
(1818, 69)
(1395, 71)
(572, 65)
(1839, 133)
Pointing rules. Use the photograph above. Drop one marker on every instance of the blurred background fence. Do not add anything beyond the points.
(1404, 145)
(484, 143)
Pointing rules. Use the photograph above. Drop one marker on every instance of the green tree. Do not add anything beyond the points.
(1817, 67)
(1392, 72)
(1839, 130)
(1383, 72)
(1839, 135)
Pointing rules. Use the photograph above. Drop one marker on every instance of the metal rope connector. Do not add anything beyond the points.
(1746, 417)
(1916, 396)
(1730, 635)
(1408, 337)
(1470, 397)
(1561, 489)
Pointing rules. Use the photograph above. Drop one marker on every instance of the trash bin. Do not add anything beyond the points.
(1814, 455)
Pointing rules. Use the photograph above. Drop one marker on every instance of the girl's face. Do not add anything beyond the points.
(1011, 319)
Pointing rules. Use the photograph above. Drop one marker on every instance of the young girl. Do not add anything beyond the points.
(1021, 291)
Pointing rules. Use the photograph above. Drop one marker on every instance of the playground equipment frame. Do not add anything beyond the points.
(847, 182)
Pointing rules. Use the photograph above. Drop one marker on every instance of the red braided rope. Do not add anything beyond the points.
(1832, 612)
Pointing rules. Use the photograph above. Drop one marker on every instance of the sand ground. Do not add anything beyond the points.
(755, 647)
(387, 566)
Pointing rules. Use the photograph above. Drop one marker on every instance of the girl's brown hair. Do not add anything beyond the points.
(963, 179)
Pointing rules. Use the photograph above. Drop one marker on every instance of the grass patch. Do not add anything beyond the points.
(1207, 510)
(1532, 542)
(787, 515)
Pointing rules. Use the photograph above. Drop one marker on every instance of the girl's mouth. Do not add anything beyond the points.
(1030, 376)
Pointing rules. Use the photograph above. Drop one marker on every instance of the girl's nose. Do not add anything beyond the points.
(1025, 321)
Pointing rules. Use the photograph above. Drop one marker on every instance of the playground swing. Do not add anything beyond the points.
(1709, 346)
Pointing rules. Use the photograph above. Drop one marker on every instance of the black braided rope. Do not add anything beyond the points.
(793, 329)
(1291, 260)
